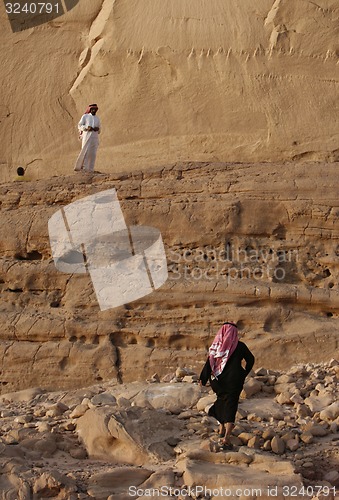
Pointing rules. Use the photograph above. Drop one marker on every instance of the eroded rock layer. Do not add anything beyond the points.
(256, 244)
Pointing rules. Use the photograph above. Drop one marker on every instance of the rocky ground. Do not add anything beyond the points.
(154, 438)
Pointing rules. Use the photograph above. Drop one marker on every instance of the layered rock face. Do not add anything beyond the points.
(175, 81)
(256, 244)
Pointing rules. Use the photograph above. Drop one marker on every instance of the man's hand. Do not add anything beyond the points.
(96, 129)
(89, 129)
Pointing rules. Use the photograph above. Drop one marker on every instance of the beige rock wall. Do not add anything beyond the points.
(257, 244)
(207, 81)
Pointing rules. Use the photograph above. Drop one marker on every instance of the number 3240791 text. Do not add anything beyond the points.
(32, 8)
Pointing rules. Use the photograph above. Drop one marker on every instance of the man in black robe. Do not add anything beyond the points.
(226, 374)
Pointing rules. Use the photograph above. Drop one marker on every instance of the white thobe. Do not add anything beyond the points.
(90, 142)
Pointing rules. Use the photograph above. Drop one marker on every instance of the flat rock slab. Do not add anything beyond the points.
(131, 436)
(263, 408)
(233, 478)
(172, 397)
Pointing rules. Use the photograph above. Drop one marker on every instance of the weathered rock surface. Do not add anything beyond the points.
(136, 436)
(277, 275)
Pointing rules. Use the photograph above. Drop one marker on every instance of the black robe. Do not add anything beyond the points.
(229, 383)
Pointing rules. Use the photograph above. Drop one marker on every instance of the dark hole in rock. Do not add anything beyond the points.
(34, 255)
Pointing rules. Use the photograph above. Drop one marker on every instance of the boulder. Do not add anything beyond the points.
(316, 429)
(332, 477)
(205, 402)
(319, 402)
(120, 481)
(132, 436)
(292, 444)
(79, 411)
(306, 437)
(251, 387)
(278, 445)
(105, 398)
(50, 484)
(258, 474)
(24, 395)
(331, 412)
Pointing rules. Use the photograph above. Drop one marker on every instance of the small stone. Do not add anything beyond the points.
(268, 389)
(23, 419)
(332, 477)
(39, 412)
(306, 437)
(303, 411)
(285, 379)
(205, 401)
(123, 402)
(278, 445)
(267, 445)
(261, 372)
(180, 372)
(241, 414)
(331, 412)
(271, 380)
(316, 430)
(283, 398)
(6, 413)
(252, 417)
(289, 435)
(167, 378)
(334, 427)
(78, 453)
(236, 441)
(245, 437)
(43, 427)
(79, 411)
(296, 398)
(251, 387)
(56, 410)
(254, 442)
(292, 444)
(68, 426)
(268, 434)
(173, 441)
(190, 378)
(103, 399)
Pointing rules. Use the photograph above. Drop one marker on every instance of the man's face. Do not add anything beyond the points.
(93, 111)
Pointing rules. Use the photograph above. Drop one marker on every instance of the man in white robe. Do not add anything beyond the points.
(89, 128)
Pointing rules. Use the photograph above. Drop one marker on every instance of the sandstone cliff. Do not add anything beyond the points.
(257, 244)
(175, 81)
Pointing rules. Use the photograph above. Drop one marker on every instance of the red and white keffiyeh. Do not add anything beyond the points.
(223, 346)
(88, 110)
